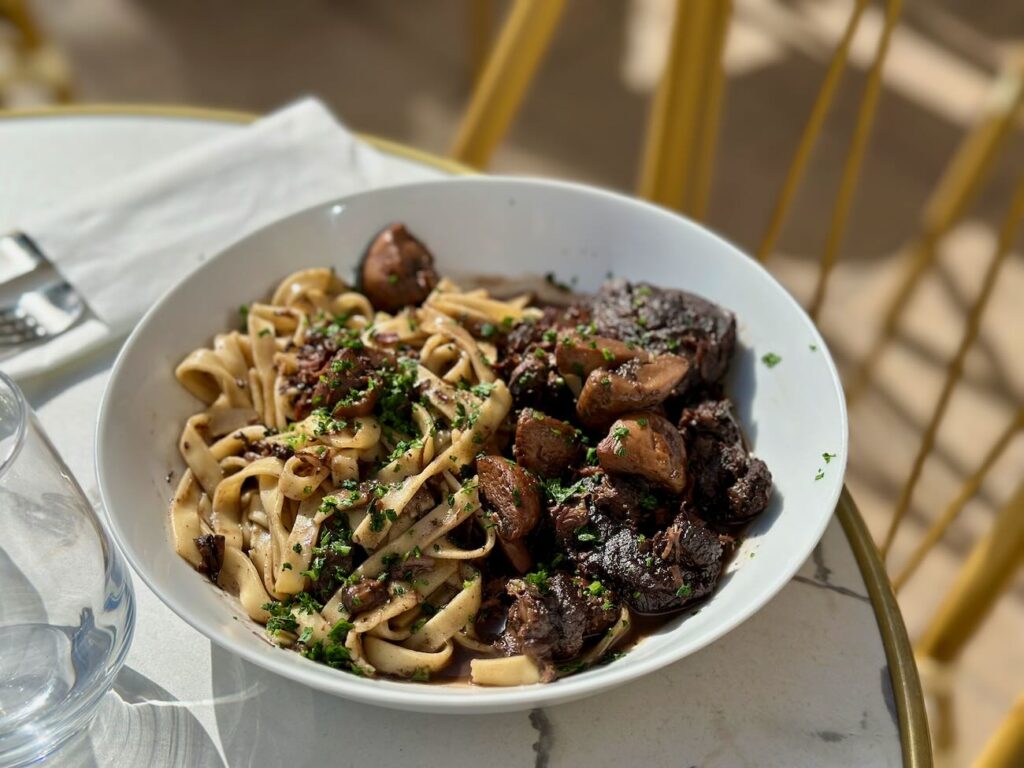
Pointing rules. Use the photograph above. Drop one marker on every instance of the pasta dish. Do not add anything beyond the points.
(418, 481)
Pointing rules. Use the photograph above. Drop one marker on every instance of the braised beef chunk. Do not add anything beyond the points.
(211, 548)
(550, 617)
(633, 386)
(525, 336)
(645, 443)
(653, 573)
(347, 385)
(634, 500)
(688, 542)
(668, 320)
(546, 446)
(536, 383)
(512, 495)
(729, 485)
(397, 271)
(364, 595)
(568, 517)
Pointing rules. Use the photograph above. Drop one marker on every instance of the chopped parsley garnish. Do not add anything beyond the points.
(820, 475)
(306, 603)
(571, 667)
(297, 547)
(617, 434)
(281, 619)
(376, 520)
(584, 533)
(596, 588)
(684, 591)
(394, 407)
(482, 389)
(828, 456)
(487, 330)
(402, 447)
(323, 424)
(771, 359)
(559, 492)
(421, 675)
(555, 283)
(332, 654)
(538, 578)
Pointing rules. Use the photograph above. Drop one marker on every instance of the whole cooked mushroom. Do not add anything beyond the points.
(580, 354)
(544, 445)
(645, 443)
(397, 271)
(633, 386)
(514, 497)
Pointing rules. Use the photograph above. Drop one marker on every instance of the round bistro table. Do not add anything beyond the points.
(821, 676)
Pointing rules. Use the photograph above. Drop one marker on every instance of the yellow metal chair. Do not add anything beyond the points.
(37, 61)
(676, 171)
(678, 157)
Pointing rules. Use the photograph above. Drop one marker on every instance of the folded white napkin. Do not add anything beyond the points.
(124, 245)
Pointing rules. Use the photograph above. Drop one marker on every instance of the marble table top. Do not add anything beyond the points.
(805, 682)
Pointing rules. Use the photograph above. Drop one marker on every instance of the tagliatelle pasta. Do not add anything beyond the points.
(271, 480)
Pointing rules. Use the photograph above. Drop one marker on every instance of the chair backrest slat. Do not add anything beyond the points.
(811, 132)
(970, 487)
(1007, 238)
(855, 157)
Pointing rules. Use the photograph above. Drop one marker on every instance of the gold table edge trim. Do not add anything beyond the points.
(210, 114)
(906, 683)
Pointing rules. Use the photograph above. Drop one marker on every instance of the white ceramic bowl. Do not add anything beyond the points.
(792, 413)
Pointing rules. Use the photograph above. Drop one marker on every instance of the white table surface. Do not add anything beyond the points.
(805, 682)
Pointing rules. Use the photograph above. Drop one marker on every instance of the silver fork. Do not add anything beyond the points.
(43, 306)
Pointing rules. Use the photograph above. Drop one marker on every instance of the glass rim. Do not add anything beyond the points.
(20, 414)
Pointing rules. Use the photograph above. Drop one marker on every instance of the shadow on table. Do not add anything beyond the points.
(140, 724)
(769, 690)
(265, 719)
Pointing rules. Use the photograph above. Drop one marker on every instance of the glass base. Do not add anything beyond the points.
(51, 681)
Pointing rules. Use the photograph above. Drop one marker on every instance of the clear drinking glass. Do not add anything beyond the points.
(66, 602)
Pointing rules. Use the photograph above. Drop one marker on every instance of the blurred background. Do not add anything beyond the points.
(404, 70)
